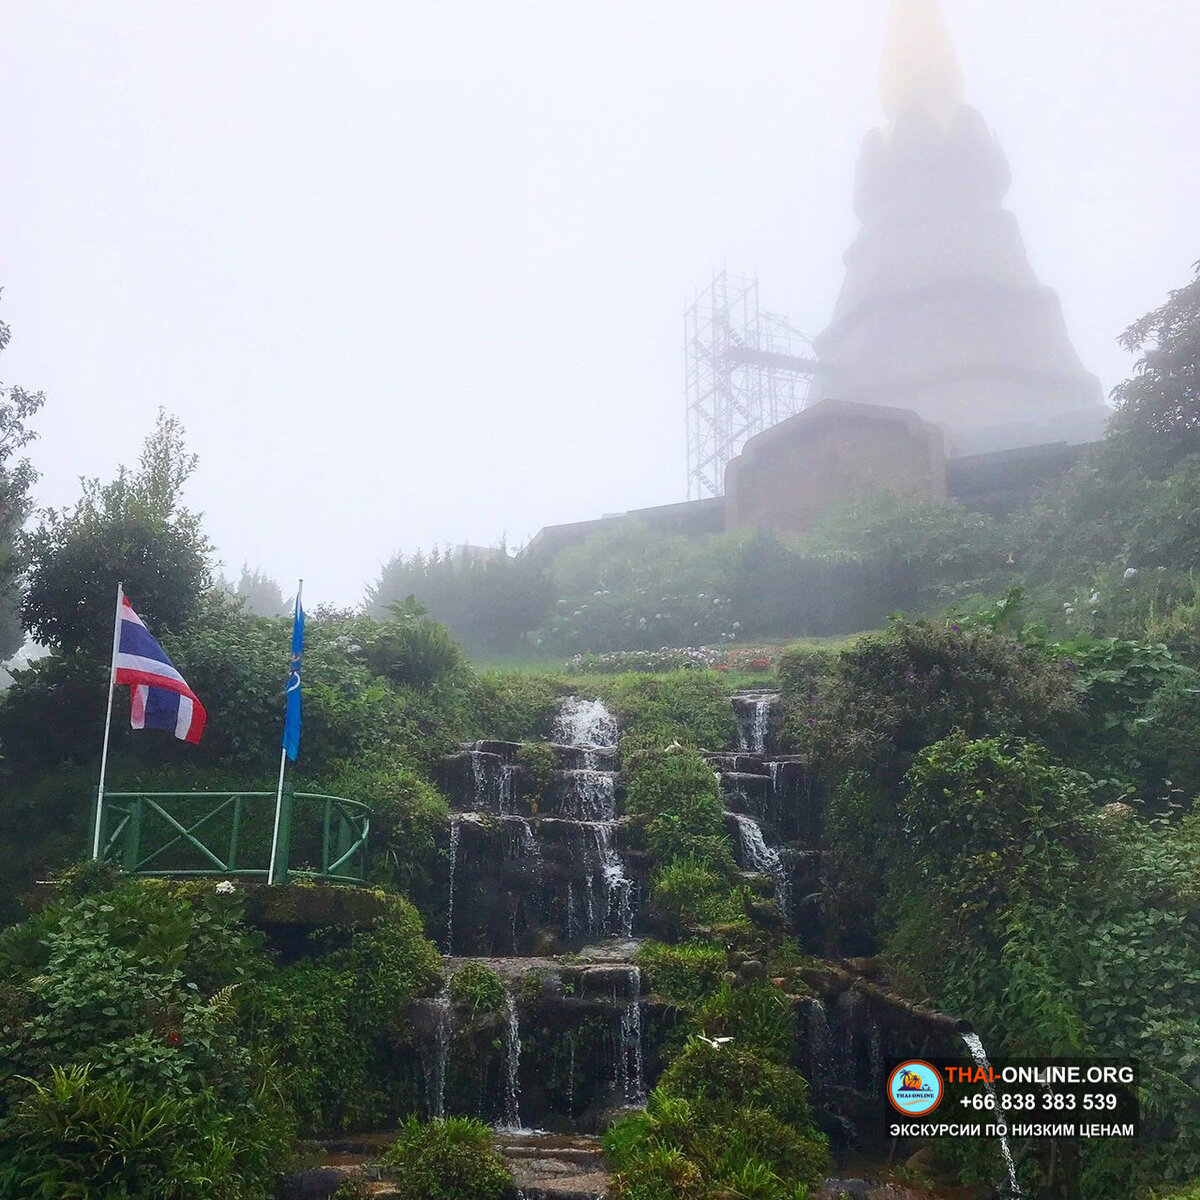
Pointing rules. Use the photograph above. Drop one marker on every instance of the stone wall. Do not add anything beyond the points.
(834, 451)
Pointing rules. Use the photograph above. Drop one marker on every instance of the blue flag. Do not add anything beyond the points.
(291, 725)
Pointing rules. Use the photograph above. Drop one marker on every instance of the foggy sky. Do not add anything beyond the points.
(415, 273)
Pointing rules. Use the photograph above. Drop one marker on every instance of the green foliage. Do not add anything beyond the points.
(759, 1016)
(1056, 930)
(690, 896)
(515, 706)
(17, 477)
(890, 695)
(655, 711)
(451, 1159)
(537, 764)
(134, 529)
(337, 1018)
(476, 988)
(686, 974)
(719, 1119)
(119, 1032)
(411, 650)
(720, 1082)
(1158, 410)
(102, 1139)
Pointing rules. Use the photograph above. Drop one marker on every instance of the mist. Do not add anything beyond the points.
(416, 274)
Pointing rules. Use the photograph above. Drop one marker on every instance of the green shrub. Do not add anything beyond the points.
(735, 1123)
(411, 650)
(719, 1082)
(451, 1159)
(337, 1019)
(536, 760)
(101, 1139)
(759, 1016)
(686, 974)
(120, 1013)
(690, 895)
(515, 706)
(477, 988)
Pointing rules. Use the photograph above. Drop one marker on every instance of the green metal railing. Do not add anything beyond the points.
(197, 834)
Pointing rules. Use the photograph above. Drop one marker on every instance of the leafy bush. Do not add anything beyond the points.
(450, 1159)
(720, 1082)
(102, 1139)
(719, 1119)
(686, 974)
(120, 1015)
(477, 988)
(758, 1016)
(689, 896)
(515, 706)
(337, 1019)
(411, 650)
(1055, 929)
(888, 696)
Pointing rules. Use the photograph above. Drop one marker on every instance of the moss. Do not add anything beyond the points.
(476, 988)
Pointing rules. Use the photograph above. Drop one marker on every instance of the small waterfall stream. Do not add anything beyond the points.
(979, 1054)
(512, 1065)
(629, 1045)
(435, 1052)
(753, 710)
(756, 855)
(454, 836)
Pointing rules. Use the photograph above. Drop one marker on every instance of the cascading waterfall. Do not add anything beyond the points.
(979, 1054)
(492, 784)
(585, 723)
(450, 902)
(592, 795)
(758, 856)
(435, 1057)
(629, 1045)
(512, 1065)
(617, 916)
(752, 732)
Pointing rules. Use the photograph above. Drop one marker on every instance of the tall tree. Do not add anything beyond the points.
(135, 529)
(262, 594)
(17, 475)
(1158, 410)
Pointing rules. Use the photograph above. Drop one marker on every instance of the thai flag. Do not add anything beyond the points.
(159, 696)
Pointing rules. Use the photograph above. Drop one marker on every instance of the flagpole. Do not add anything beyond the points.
(282, 768)
(112, 676)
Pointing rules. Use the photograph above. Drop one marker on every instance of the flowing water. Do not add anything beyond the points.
(629, 1045)
(585, 723)
(756, 855)
(512, 1065)
(591, 795)
(450, 903)
(754, 720)
(979, 1054)
(436, 1056)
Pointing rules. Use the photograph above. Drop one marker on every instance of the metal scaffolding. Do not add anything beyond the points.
(746, 370)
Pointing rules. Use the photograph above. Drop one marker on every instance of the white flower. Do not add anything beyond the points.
(1070, 611)
(225, 887)
(1095, 598)
(1131, 572)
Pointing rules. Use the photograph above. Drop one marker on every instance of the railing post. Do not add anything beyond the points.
(131, 851)
(325, 859)
(235, 833)
(282, 853)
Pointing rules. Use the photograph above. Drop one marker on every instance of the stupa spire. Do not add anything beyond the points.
(920, 72)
